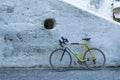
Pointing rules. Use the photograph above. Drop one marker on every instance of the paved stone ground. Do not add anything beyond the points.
(49, 74)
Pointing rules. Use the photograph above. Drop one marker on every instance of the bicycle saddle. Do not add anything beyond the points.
(86, 39)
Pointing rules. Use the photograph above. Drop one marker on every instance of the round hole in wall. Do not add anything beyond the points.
(10, 10)
(49, 23)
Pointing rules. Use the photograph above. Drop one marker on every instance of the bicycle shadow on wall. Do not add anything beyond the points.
(61, 59)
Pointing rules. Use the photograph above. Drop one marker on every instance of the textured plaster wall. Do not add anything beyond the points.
(25, 42)
(102, 7)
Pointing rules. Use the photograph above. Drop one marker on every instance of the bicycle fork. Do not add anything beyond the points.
(62, 55)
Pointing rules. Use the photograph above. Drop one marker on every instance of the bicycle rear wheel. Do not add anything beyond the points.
(60, 59)
(95, 64)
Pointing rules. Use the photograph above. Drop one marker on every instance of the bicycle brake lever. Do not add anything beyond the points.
(62, 38)
(67, 40)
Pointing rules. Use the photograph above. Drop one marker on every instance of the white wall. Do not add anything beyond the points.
(29, 44)
(102, 7)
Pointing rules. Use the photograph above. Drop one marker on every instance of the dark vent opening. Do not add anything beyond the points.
(49, 23)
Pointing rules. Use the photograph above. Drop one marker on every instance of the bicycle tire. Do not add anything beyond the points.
(95, 63)
(56, 55)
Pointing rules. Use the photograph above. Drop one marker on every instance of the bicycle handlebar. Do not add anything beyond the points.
(63, 41)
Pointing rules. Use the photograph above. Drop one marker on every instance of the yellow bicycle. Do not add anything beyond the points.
(61, 58)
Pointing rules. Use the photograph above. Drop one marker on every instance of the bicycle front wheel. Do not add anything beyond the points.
(60, 59)
(95, 64)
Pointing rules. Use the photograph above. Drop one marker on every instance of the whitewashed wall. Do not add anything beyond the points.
(102, 7)
(30, 44)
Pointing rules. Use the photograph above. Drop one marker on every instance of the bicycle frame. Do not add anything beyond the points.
(61, 58)
(84, 49)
